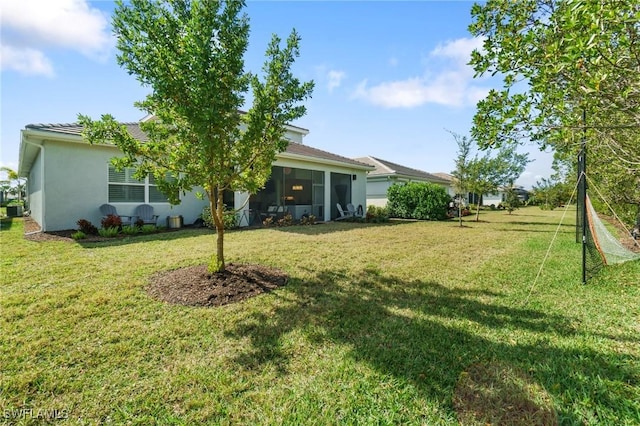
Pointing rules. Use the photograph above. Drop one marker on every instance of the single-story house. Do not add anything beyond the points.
(499, 197)
(386, 173)
(69, 179)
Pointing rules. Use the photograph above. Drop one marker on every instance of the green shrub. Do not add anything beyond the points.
(377, 214)
(230, 218)
(148, 229)
(418, 200)
(109, 232)
(79, 235)
(130, 230)
(87, 227)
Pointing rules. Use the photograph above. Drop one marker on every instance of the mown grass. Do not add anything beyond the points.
(379, 324)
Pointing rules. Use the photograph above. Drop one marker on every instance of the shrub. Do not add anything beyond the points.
(418, 200)
(79, 235)
(87, 227)
(130, 230)
(230, 219)
(287, 220)
(111, 221)
(268, 221)
(139, 223)
(377, 214)
(148, 229)
(109, 232)
(308, 220)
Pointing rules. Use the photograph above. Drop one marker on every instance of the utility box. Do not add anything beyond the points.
(14, 211)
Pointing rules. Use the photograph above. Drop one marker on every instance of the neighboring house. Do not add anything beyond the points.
(68, 179)
(449, 179)
(387, 173)
(501, 196)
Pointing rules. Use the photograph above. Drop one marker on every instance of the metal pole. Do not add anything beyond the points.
(583, 186)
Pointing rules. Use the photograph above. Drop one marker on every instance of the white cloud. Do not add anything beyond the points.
(447, 80)
(30, 27)
(26, 61)
(335, 79)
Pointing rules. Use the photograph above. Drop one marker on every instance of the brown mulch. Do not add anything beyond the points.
(195, 286)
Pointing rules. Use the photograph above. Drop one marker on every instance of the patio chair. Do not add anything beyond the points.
(108, 209)
(144, 212)
(355, 212)
(343, 214)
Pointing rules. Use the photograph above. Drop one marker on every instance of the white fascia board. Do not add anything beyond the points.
(286, 155)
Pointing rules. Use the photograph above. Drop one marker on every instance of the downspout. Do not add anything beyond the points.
(43, 226)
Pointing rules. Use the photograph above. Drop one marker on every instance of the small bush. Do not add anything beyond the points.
(87, 227)
(377, 214)
(287, 220)
(109, 232)
(130, 230)
(139, 223)
(148, 229)
(268, 221)
(111, 221)
(79, 235)
(308, 220)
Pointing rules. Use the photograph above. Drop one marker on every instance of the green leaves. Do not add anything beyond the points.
(191, 55)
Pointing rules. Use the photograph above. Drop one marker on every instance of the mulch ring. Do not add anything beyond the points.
(195, 286)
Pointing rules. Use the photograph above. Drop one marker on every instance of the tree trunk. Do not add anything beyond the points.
(216, 204)
(478, 211)
(460, 213)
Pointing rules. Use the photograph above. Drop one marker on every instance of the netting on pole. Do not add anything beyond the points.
(600, 246)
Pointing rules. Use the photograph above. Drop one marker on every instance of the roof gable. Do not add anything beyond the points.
(388, 168)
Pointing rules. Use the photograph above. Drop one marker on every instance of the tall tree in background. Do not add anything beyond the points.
(560, 59)
(191, 54)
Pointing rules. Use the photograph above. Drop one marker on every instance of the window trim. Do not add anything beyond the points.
(145, 184)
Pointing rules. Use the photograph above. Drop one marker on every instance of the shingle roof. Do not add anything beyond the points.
(384, 168)
(307, 151)
(135, 131)
(76, 129)
(445, 176)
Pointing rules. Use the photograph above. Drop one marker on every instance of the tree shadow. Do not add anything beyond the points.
(6, 223)
(427, 334)
(331, 227)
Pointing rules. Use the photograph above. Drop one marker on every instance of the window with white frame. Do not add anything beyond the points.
(124, 188)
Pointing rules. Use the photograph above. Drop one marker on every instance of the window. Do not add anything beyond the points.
(124, 188)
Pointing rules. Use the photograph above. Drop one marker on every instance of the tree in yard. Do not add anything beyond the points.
(190, 53)
(563, 61)
(13, 184)
(485, 174)
(512, 201)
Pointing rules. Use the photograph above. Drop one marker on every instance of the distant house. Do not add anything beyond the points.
(386, 173)
(69, 179)
(500, 197)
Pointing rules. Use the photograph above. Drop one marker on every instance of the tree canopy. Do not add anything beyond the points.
(487, 173)
(562, 61)
(190, 53)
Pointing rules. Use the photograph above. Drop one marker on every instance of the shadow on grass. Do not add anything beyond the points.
(428, 335)
(6, 223)
(141, 238)
(339, 226)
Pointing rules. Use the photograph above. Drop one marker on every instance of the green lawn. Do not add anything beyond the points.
(379, 324)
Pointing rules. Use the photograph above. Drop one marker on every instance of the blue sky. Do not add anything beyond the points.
(391, 77)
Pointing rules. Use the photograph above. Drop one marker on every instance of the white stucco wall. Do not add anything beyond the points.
(77, 184)
(35, 190)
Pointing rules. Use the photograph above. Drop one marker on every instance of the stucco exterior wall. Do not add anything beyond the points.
(77, 184)
(35, 191)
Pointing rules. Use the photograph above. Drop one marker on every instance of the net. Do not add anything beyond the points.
(609, 247)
